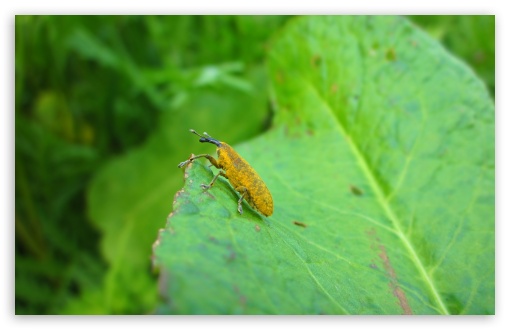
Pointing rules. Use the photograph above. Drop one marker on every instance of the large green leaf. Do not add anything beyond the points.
(381, 167)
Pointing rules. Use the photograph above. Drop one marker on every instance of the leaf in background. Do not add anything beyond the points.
(91, 48)
(381, 167)
(131, 196)
(471, 37)
(50, 174)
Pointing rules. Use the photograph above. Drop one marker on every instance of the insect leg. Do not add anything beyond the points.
(243, 191)
(207, 186)
(209, 157)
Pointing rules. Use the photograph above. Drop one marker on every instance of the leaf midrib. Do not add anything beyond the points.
(376, 188)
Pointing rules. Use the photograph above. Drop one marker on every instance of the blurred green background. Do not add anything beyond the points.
(104, 103)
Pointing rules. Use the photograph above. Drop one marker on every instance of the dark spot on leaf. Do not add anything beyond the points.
(257, 228)
(356, 191)
(334, 88)
(400, 294)
(231, 254)
(231, 257)
(391, 55)
(300, 224)
(371, 233)
(316, 60)
(242, 300)
(309, 132)
(373, 266)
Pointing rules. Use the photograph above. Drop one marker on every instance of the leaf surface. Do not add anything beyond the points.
(381, 166)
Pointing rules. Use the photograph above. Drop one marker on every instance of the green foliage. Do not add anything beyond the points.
(103, 105)
(53, 258)
(381, 166)
(89, 88)
(472, 38)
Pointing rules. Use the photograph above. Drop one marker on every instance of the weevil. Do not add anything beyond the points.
(243, 178)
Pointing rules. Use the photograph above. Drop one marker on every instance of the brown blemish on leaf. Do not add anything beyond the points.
(231, 257)
(257, 228)
(300, 224)
(356, 191)
(334, 88)
(242, 298)
(397, 291)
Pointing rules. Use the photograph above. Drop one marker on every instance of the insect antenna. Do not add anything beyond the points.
(206, 138)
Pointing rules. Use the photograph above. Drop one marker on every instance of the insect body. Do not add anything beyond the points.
(239, 173)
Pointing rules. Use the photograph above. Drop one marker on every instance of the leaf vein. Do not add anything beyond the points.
(376, 187)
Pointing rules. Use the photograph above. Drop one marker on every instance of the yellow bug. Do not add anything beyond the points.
(239, 173)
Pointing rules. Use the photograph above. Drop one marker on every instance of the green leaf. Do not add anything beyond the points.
(471, 37)
(381, 167)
